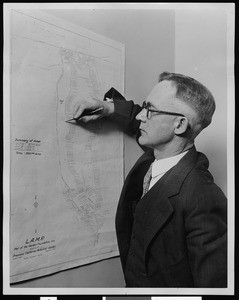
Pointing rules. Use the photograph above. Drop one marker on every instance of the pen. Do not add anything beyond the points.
(87, 113)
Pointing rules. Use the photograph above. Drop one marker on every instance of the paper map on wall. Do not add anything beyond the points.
(65, 178)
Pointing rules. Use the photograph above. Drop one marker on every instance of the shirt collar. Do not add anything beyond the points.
(163, 165)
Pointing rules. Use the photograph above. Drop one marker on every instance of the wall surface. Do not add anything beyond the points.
(201, 52)
(148, 36)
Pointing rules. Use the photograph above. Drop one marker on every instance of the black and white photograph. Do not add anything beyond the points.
(118, 167)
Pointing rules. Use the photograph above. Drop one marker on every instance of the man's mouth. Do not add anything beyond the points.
(141, 130)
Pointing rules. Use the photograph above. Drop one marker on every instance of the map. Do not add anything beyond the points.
(65, 178)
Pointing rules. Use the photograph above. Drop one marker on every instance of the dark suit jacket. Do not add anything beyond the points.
(181, 222)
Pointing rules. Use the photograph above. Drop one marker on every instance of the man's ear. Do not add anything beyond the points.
(181, 125)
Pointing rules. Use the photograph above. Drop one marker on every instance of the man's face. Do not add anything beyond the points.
(158, 131)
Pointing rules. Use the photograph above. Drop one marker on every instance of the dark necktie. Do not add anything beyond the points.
(147, 179)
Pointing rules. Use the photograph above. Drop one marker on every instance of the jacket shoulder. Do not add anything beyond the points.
(199, 191)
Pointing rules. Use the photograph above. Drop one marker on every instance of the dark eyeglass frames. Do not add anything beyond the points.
(161, 112)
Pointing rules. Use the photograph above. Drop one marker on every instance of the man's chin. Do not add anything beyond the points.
(142, 141)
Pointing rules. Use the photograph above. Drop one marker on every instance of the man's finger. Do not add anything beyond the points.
(86, 119)
(78, 110)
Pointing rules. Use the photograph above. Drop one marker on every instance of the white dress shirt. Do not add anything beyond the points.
(161, 166)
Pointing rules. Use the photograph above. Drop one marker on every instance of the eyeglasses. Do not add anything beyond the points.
(161, 112)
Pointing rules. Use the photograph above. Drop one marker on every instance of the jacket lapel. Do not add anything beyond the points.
(155, 208)
(132, 188)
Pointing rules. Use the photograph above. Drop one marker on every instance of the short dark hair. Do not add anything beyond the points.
(195, 94)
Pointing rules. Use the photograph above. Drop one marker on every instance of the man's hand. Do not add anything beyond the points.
(93, 110)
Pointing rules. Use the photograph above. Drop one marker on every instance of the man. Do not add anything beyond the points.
(172, 233)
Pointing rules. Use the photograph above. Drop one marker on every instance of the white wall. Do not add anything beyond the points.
(201, 52)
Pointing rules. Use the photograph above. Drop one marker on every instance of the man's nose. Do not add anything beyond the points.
(141, 116)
